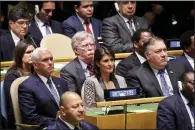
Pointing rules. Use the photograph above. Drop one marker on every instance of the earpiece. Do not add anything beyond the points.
(116, 6)
(36, 9)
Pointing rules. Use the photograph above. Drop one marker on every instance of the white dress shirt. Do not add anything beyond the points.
(15, 38)
(41, 26)
(68, 124)
(44, 79)
(141, 58)
(190, 60)
(84, 66)
(127, 20)
(188, 109)
(84, 26)
(168, 81)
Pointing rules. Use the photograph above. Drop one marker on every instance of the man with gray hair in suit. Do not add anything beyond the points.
(118, 29)
(76, 71)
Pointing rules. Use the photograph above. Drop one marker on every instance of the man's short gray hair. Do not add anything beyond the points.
(78, 37)
(35, 53)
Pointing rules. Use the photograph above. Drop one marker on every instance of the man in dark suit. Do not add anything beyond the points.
(155, 76)
(76, 71)
(118, 29)
(18, 25)
(185, 62)
(42, 24)
(137, 57)
(72, 114)
(177, 111)
(39, 95)
(83, 21)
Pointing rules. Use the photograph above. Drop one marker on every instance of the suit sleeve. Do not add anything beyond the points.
(68, 30)
(69, 79)
(112, 39)
(28, 111)
(122, 69)
(133, 81)
(165, 116)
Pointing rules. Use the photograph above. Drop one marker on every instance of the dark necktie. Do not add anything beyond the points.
(131, 27)
(47, 28)
(164, 85)
(192, 109)
(90, 68)
(53, 91)
(87, 27)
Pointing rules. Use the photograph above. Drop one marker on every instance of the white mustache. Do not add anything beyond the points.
(90, 52)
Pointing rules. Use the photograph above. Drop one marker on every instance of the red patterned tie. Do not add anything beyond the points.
(87, 27)
(90, 68)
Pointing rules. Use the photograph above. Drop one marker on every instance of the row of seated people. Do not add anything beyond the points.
(92, 71)
(116, 31)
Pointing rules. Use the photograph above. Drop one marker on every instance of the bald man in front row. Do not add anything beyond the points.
(72, 114)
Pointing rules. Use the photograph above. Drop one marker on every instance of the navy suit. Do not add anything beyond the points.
(181, 65)
(37, 104)
(59, 124)
(36, 33)
(73, 24)
(172, 114)
(7, 46)
(127, 64)
(143, 77)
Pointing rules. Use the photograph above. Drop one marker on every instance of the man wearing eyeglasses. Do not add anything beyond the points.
(76, 71)
(18, 28)
(42, 24)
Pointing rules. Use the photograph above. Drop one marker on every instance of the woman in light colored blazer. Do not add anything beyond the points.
(104, 77)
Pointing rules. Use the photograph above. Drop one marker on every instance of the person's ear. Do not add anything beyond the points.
(62, 111)
(76, 8)
(97, 63)
(147, 55)
(76, 51)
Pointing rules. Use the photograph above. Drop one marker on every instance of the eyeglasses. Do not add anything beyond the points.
(87, 45)
(22, 23)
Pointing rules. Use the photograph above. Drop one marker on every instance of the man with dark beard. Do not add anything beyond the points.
(177, 111)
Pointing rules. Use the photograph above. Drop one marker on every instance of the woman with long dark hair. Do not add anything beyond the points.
(22, 66)
(104, 77)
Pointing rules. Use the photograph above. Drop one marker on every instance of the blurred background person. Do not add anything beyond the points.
(42, 24)
(104, 77)
(77, 70)
(22, 66)
(177, 111)
(72, 114)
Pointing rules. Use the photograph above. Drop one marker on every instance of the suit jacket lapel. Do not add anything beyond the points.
(123, 24)
(173, 79)
(12, 44)
(151, 76)
(187, 63)
(80, 71)
(183, 111)
(136, 22)
(61, 125)
(57, 85)
(95, 29)
(136, 60)
(41, 84)
(79, 26)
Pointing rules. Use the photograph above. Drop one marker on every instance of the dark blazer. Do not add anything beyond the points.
(116, 34)
(127, 64)
(172, 114)
(36, 33)
(59, 124)
(7, 46)
(9, 78)
(143, 77)
(74, 75)
(181, 65)
(37, 104)
(73, 24)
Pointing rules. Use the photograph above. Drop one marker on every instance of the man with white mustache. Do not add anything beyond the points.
(76, 71)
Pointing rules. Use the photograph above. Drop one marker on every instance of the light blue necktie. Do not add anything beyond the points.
(47, 29)
(192, 109)
(165, 88)
(53, 92)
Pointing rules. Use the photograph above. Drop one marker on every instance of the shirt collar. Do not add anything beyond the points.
(83, 64)
(81, 19)
(44, 79)
(190, 59)
(15, 37)
(141, 58)
(125, 19)
(156, 71)
(38, 21)
(185, 100)
(68, 124)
